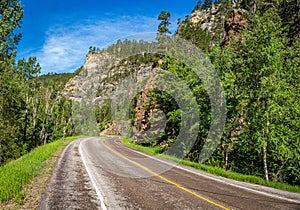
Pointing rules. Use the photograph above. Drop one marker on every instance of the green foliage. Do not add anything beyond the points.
(207, 4)
(262, 131)
(166, 103)
(11, 13)
(11, 100)
(194, 33)
(103, 114)
(60, 79)
(29, 69)
(150, 150)
(124, 48)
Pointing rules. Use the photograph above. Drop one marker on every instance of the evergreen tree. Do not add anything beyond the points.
(207, 4)
(198, 5)
(164, 17)
(11, 98)
(11, 13)
(194, 33)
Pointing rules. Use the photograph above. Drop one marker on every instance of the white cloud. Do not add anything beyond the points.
(65, 46)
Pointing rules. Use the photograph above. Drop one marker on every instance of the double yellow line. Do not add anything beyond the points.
(163, 178)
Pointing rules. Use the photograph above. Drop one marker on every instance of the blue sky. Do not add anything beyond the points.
(59, 32)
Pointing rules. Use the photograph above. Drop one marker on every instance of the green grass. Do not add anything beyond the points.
(213, 170)
(150, 150)
(16, 174)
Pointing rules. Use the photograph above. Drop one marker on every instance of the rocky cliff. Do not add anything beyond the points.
(94, 70)
(221, 22)
(101, 75)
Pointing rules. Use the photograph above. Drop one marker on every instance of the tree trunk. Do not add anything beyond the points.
(44, 135)
(265, 135)
(226, 159)
(66, 127)
(34, 119)
(254, 6)
(265, 160)
(26, 118)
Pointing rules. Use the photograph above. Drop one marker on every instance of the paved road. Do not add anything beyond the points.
(101, 173)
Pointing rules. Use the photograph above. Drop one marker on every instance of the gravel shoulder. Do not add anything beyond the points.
(69, 186)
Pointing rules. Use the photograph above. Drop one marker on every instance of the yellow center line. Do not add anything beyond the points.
(163, 178)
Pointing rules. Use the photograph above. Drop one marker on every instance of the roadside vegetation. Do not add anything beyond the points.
(16, 174)
(211, 169)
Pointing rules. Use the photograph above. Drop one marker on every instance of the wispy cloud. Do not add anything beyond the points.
(65, 46)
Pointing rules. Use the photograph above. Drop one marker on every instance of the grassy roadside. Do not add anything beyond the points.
(213, 170)
(16, 175)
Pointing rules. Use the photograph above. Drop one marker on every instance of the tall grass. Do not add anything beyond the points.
(16, 174)
(213, 170)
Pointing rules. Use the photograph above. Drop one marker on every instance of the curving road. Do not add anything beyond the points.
(101, 173)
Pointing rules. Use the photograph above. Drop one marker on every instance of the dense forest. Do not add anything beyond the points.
(32, 111)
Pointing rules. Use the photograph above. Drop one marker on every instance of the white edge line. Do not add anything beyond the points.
(92, 178)
(215, 179)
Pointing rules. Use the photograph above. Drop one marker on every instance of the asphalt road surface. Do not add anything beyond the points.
(101, 173)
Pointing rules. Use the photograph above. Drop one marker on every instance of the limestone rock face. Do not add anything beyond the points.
(210, 19)
(99, 80)
(207, 18)
(94, 70)
(222, 23)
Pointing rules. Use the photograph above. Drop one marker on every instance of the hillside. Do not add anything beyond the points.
(260, 135)
(59, 79)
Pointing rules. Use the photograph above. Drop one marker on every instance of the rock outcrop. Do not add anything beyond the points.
(207, 18)
(99, 81)
(220, 22)
(94, 71)
(233, 25)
